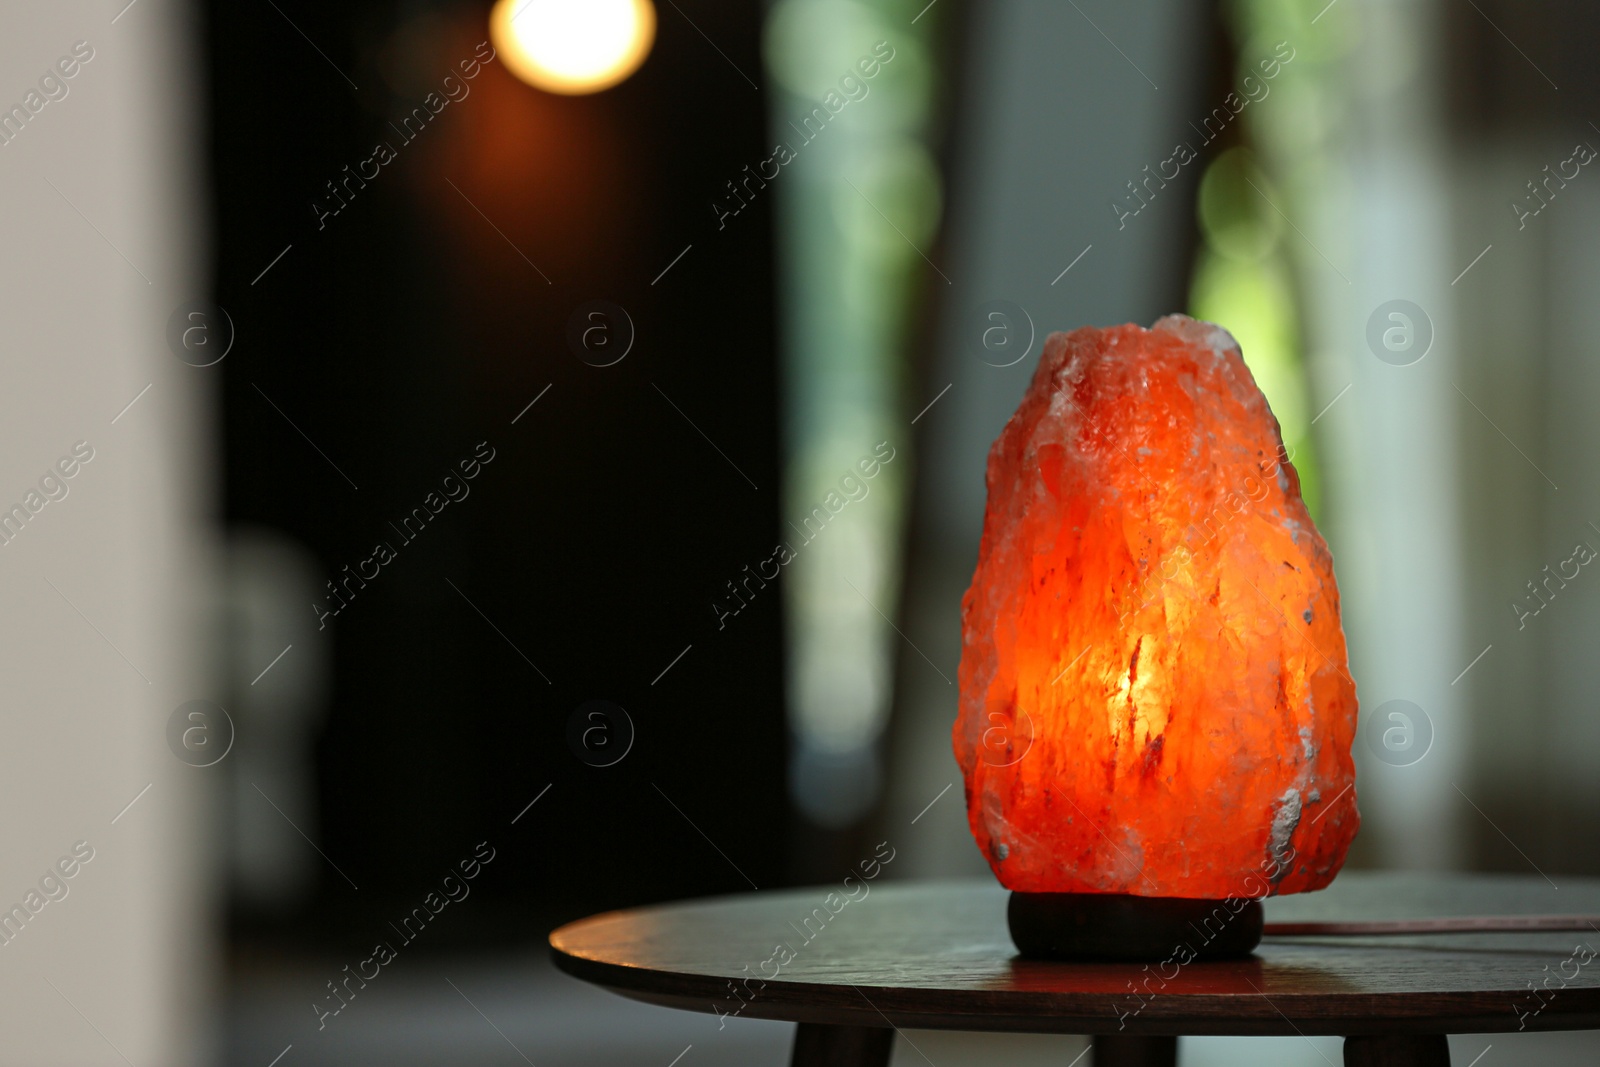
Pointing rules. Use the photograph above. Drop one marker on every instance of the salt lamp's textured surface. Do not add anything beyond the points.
(1154, 693)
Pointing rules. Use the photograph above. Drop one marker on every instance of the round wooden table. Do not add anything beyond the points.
(936, 955)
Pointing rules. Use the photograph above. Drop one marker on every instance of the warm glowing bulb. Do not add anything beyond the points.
(573, 46)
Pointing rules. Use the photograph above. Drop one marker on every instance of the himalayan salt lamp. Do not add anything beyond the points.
(1156, 714)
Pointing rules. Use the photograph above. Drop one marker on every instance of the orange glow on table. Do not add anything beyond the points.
(1154, 692)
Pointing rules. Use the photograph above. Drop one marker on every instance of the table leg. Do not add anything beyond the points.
(1397, 1050)
(1134, 1050)
(816, 1045)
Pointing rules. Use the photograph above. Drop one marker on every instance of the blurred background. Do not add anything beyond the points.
(550, 435)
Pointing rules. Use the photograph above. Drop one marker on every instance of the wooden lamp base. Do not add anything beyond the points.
(1118, 927)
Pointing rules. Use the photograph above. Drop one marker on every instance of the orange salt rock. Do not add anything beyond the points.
(1154, 692)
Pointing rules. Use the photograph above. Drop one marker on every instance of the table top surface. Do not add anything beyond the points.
(937, 955)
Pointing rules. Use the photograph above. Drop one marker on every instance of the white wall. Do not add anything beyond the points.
(99, 633)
